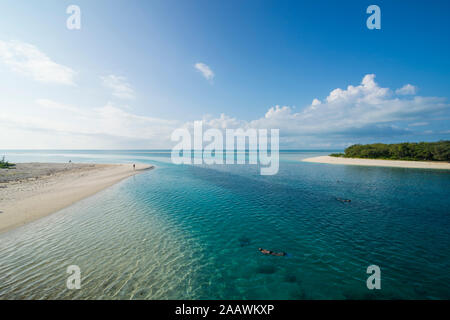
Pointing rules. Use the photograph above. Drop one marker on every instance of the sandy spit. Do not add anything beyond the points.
(34, 190)
(380, 163)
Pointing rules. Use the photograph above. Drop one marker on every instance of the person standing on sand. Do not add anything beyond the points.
(134, 166)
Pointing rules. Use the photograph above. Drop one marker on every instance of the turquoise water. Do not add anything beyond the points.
(192, 232)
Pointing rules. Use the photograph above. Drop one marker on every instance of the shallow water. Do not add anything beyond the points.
(192, 232)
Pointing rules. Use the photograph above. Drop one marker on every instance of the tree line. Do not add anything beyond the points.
(421, 151)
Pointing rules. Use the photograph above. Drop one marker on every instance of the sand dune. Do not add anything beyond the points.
(380, 163)
(34, 190)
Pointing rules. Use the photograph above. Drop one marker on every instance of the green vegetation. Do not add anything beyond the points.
(5, 164)
(337, 155)
(422, 151)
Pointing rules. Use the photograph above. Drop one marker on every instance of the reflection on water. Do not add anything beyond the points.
(192, 232)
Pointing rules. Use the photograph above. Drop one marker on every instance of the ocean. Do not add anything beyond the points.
(193, 232)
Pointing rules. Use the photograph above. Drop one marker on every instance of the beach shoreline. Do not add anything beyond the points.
(35, 190)
(380, 163)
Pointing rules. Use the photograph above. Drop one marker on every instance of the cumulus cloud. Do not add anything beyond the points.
(362, 111)
(316, 102)
(119, 86)
(205, 70)
(364, 105)
(407, 89)
(359, 113)
(28, 60)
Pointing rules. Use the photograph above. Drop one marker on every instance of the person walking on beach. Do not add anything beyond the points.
(134, 166)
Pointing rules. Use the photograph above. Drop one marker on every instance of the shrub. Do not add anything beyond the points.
(5, 164)
(422, 151)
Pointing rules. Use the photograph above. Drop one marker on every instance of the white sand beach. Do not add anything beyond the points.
(380, 163)
(34, 190)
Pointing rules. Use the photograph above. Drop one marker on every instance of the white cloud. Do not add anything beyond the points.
(51, 124)
(205, 71)
(119, 86)
(28, 60)
(365, 111)
(52, 105)
(365, 105)
(418, 124)
(316, 102)
(407, 89)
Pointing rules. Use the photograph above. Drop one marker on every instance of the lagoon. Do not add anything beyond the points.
(193, 232)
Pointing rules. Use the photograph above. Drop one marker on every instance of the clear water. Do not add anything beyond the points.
(192, 232)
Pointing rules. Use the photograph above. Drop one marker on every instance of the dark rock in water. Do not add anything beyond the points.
(266, 269)
(141, 294)
(290, 278)
(417, 290)
(298, 294)
(343, 200)
(244, 241)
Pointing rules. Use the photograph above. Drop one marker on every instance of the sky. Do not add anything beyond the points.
(137, 70)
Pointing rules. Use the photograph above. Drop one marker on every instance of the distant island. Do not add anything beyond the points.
(422, 151)
(422, 155)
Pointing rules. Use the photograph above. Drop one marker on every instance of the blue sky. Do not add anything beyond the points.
(128, 78)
